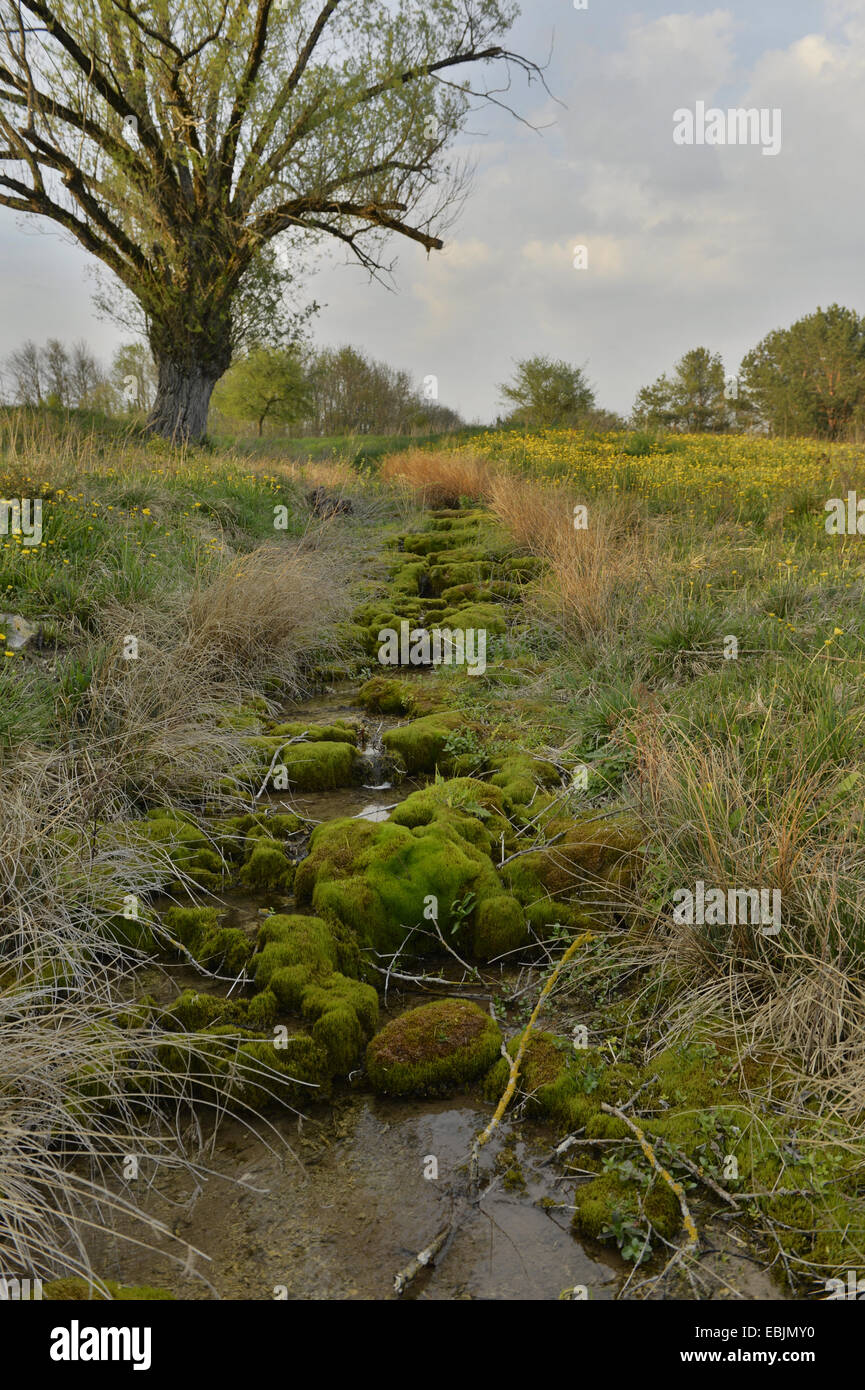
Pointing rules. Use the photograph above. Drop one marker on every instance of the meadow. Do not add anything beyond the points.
(687, 660)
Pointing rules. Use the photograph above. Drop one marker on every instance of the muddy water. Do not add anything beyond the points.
(332, 1205)
(332, 1209)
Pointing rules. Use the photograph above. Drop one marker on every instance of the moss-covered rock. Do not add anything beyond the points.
(314, 765)
(300, 962)
(433, 1049)
(475, 806)
(193, 1011)
(235, 834)
(262, 1011)
(500, 927)
(519, 775)
(294, 951)
(421, 744)
(378, 878)
(392, 695)
(267, 866)
(386, 695)
(224, 949)
(437, 541)
(485, 617)
(345, 1014)
(459, 595)
(290, 1071)
(408, 578)
(340, 731)
(236, 1049)
(188, 848)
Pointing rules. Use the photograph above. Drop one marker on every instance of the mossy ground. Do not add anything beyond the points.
(74, 1290)
(700, 1116)
(379, 879)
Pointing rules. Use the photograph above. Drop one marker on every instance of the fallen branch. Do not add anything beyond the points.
(298, 738)
(419, 1262)
(507, 1095)
(675, 1187)
(425, 1257)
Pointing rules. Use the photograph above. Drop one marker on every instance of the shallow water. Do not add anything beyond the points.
(334, 1205)
(350, 1208)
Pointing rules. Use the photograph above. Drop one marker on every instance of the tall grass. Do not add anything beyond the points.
(438, 479)
(179, 551)
(591, 572)
(78, 1088)
(771, 810)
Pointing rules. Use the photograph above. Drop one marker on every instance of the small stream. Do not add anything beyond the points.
(334, 1203)
(331, 1205)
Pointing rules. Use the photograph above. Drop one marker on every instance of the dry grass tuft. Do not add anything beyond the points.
(79, 1088)
(737, 818)
(593, 572)
(266, 611)
(437, 479)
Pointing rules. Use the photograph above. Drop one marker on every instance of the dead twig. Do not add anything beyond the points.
(675, 1187)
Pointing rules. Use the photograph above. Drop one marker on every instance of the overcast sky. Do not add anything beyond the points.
(687, 245)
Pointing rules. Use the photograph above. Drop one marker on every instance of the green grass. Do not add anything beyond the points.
(125, 527)
(356, 449)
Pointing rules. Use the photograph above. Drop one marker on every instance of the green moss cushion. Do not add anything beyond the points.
(433, 1049)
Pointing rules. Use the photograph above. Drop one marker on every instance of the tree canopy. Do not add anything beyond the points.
(695, 398)
(175, 140)
(545, 393)
(264, 384)
(810, 378)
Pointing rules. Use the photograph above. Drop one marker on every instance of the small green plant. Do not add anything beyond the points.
(625, 1170)
(590, 1078)
(461, 911)
(465, 743)
(632, 1240)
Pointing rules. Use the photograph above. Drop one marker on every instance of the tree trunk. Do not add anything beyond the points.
(182, 399)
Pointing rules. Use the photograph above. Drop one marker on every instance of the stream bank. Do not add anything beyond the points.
(400, 795)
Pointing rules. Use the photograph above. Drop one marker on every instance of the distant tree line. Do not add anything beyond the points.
(72, 378)
(808, 379)
(333, 391)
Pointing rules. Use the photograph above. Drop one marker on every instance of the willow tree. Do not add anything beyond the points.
(179, 140)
